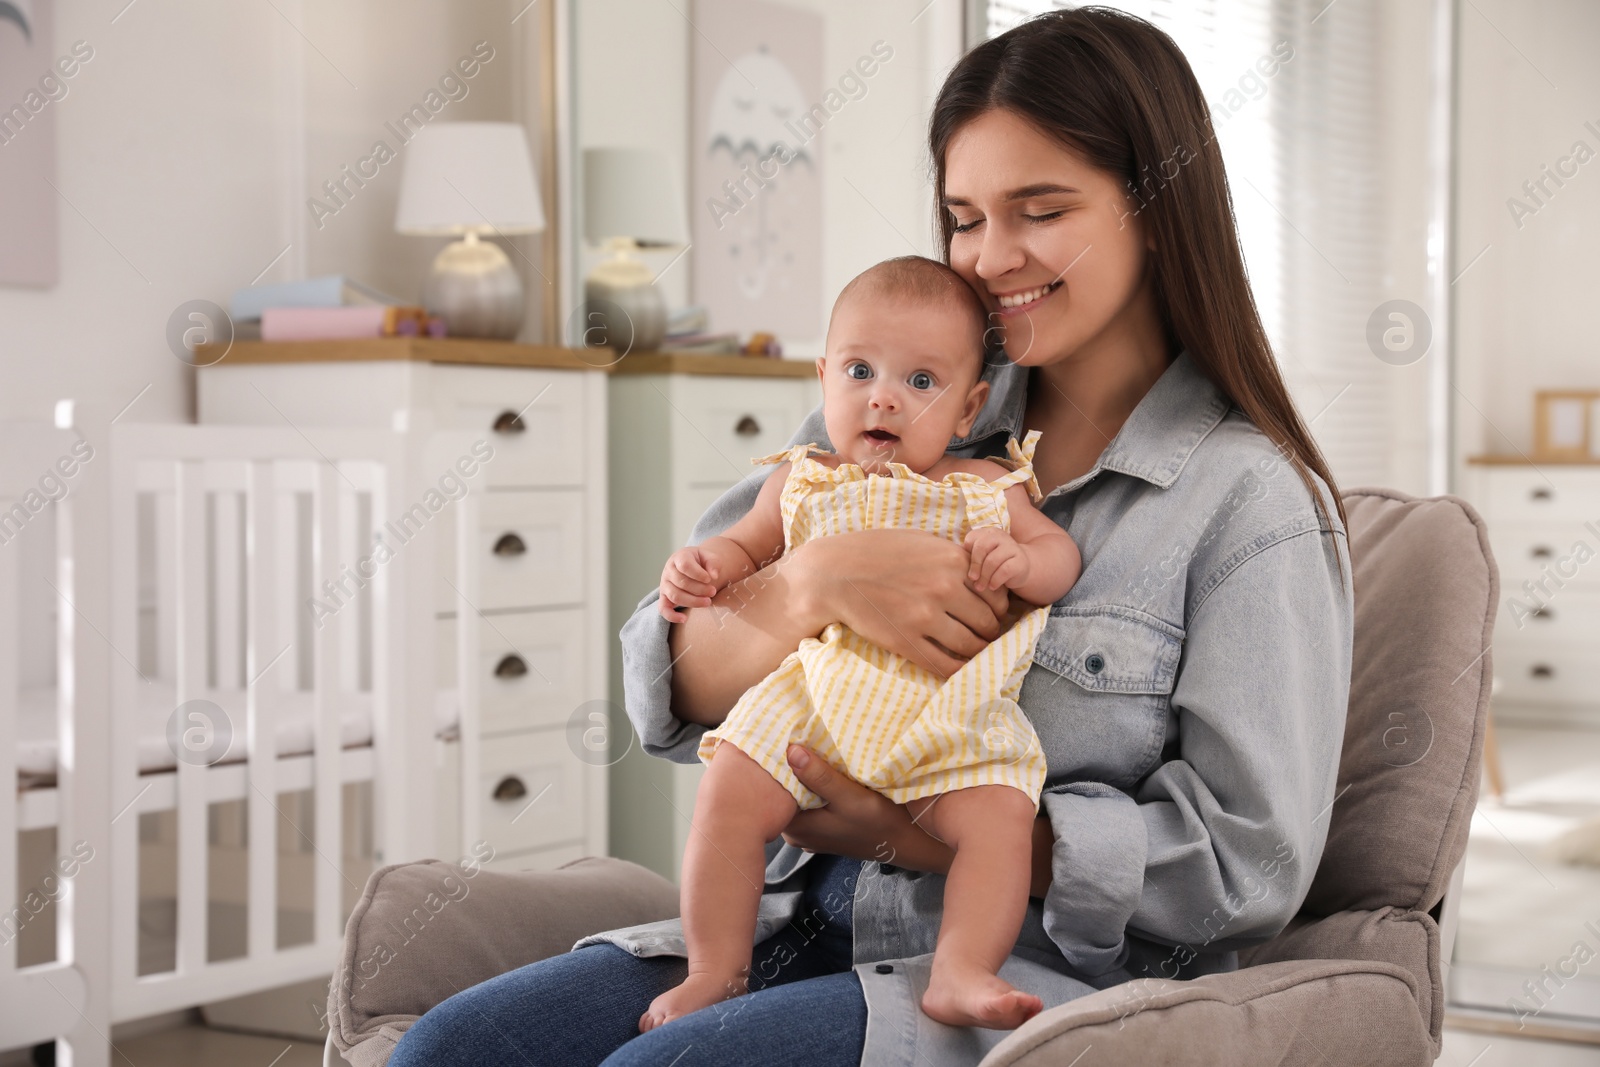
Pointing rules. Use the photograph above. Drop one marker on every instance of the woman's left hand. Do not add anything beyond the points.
(859, 822)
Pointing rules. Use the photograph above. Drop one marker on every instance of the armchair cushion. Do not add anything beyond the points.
(1426, 592)
(1315, 1013)
(422, 932)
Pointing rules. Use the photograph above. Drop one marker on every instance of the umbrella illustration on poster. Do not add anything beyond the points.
(19, 12)
(756, 154)
(753, 120)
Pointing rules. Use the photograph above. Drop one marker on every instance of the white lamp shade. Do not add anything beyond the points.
(462, 177)
(631, 192)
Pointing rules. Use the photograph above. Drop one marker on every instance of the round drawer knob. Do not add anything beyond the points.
(512, 666)
(509, 545)
(1540, 493)
(1542, 670)
(1541, 613)
(509, 422)
(747, 426)
(510, 788)
(1541, 552)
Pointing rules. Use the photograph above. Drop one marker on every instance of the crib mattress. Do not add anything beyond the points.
(38, 744)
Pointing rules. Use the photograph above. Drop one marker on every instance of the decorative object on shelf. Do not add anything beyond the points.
(763, 344)
(471, 179)
(630, 201)
(1563, 421)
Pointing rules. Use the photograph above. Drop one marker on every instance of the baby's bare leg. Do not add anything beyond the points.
(738, 808)
(985, 897)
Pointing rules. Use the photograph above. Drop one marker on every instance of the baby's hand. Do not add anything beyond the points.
(997, 560)
(689, 580)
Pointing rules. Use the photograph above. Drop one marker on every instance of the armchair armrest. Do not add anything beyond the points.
(1328, 1013)
(424, 931)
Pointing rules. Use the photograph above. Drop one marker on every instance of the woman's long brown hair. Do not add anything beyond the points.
(1116, 91)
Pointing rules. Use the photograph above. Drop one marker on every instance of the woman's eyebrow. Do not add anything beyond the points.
(1027, 192)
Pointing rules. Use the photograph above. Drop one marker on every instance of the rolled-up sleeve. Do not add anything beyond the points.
(646, 655)
(1216, 847)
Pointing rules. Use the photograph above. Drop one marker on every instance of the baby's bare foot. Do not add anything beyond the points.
(963, 997)
(693, 993)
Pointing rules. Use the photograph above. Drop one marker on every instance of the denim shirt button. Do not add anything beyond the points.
(1096, 663)
(884, 968)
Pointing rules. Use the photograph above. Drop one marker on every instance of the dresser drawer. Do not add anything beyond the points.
(720, 424)
(534, 420)
(530, 546)
(531, 667)
(1560, 550)
(532, 791)
(1517, 493)
(1547, 671)
(544, 859)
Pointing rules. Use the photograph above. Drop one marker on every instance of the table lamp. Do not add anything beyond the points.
(471, 179)
(630, 201)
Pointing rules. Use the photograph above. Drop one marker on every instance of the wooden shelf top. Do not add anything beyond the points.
(476, 352)
(1508, 460)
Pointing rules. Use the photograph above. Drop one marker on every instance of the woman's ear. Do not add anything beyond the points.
(974, 404)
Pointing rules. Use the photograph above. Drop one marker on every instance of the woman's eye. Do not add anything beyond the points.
(858, 371)
(963, 227)
(922, 380)
(1044, 218)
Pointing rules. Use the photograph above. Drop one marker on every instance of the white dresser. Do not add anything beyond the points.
(1544, 528)
(683, 430)
(541, 543)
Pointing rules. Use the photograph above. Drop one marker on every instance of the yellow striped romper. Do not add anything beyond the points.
(885, 721)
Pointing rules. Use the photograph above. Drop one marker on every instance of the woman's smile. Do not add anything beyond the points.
(1021, 300)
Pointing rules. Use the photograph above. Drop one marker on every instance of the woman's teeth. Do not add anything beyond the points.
(1018, 299)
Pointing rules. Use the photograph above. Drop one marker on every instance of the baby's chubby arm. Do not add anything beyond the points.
(696, 573)
(1037, 560)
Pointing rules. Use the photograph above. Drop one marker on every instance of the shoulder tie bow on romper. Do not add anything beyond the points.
(888, 723)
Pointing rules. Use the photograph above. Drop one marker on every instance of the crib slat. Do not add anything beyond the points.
(125, 683)
(226, 547)
(166, 655)
(290, 592)
(190, 575)
(325, 642)
(264, 643)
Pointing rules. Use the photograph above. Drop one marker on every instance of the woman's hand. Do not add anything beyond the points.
(906, 591)
(858, 822)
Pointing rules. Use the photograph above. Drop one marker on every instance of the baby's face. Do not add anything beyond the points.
(899, 380)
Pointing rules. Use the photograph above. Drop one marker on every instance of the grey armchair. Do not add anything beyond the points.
(1357, 978)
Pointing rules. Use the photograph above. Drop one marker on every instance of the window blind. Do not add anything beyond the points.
(1301, 149)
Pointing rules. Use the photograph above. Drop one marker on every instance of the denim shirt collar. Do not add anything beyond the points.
(1154, 443)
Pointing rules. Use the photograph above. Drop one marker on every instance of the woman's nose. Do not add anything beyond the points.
(999, 253)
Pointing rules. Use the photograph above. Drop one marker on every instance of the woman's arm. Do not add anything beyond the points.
(1216, 848)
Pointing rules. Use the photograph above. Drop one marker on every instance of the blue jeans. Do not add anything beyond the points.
(805, 1007)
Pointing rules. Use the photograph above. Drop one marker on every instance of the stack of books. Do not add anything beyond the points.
(686, 332)
(325, 308)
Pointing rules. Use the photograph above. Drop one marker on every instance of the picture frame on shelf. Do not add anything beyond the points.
(1563, 422)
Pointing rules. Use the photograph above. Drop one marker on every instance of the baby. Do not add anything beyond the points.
(900, 378)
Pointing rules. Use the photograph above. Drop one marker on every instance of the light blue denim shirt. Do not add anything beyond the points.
(1189, 693)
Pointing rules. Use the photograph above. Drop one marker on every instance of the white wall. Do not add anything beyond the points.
(186, 150)
(633, 90)
(1525, 320)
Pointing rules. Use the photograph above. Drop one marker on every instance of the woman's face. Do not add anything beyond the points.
(1053, 244)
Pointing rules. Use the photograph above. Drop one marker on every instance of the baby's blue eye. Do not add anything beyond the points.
(866, 371)
(922, 380)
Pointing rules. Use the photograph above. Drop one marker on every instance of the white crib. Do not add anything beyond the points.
(244, 615)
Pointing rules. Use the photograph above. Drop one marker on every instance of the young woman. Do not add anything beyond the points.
(1189, 692)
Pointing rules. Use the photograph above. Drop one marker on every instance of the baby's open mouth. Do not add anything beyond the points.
(882, 437)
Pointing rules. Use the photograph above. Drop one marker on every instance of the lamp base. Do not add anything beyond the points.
(474, 288)
(625, 309)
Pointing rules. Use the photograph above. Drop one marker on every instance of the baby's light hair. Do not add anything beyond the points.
(923, 281)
